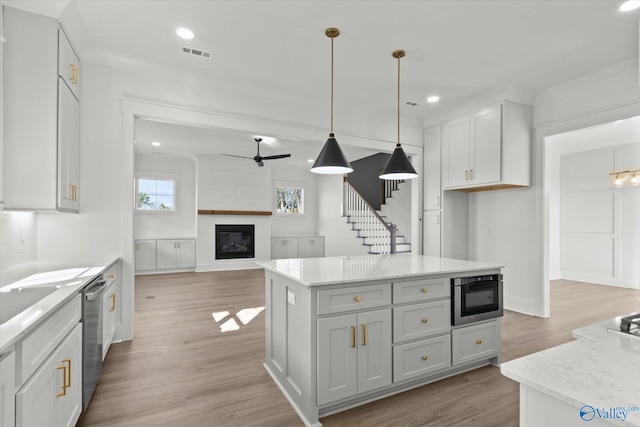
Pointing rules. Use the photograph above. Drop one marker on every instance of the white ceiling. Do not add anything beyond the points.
(278, 49)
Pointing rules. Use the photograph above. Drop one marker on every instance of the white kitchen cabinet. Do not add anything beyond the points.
(432, 233)
(489, 148)
(422, 357)
(297, 247)
(68, 65)
(173, 254)
(145, 255)
(416, 321)
(432, 168)
(7, 389)
(43, 118)
(354, 354)
(284, 247)
(311, 247)
(53, 394)
(110, 308)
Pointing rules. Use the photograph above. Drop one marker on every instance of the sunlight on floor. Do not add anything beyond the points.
(246, 315)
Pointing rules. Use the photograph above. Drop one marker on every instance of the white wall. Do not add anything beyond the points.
(18, 243)
(297, 225)
(182, 223)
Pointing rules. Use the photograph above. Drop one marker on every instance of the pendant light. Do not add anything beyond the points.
(331, 160)
(398, 166)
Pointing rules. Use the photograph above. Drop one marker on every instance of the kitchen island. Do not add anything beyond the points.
(595, 379)
(344, 331)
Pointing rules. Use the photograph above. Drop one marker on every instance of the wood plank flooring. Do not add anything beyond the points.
(182, 370)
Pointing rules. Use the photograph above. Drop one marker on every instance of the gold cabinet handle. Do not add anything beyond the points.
(471, 174)
(425, 290)
(113, 302)
(425, 357)
(358, 298)
(74, 193)
(67, 379)
(111, 276)
(64, 381)
(364, 334)
(425, 320)
(74, 74)
(478, 342)
(353, 336)
(466, 175)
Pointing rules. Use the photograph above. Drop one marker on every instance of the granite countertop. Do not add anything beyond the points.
(600, 369)
(67, 281)
(336, 270)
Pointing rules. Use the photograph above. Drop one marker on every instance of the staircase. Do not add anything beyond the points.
(376, 231)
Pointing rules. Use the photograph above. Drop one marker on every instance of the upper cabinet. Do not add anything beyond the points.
(432, 183)
(41, 133)
(488, 149)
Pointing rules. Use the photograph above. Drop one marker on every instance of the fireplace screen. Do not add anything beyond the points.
(234, 241)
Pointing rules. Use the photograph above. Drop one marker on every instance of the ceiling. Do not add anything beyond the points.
(277, 50)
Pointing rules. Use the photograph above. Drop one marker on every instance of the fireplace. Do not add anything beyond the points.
(234, 241)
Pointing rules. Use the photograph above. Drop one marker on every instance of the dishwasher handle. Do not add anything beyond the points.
(97, 289)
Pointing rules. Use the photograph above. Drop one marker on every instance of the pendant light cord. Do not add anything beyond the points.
(331, 85)
(398, 101)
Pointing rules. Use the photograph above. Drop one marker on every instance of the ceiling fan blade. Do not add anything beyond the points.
(278, 156)
(240, 157)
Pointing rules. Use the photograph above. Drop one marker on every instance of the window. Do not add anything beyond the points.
(289, 199)
(156, 194)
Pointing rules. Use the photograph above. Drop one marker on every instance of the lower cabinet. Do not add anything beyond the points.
(110, 304)
(476, 342)
(7, 389)
(297, 247)
(354, 354)
(165, 254)
(53, 394)
(420, 358)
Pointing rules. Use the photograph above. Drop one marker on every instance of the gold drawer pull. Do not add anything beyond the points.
(113, 303)
(425, 320)
(425, 290)
(353, 336)
(478, 342)
(111, 276)
(64, 381)
(358, 298)
(425, 357)
(364, 334)
(67, 380)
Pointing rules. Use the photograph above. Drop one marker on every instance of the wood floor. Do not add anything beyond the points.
(182, 370)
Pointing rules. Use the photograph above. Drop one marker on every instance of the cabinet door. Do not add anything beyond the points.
(109, 316)
(145, 255)
(8, 389)
(185, 253)
(284, 247)
(337, 358)
(486, 145)
(166, 254)
(455, 152)
(311, 247)
(68, 64)
(432, 168)
(432, 232)
(476, 342)
(53, 395)
(374, 350)
(68, 148)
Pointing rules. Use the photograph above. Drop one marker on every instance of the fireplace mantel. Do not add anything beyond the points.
(219, 212)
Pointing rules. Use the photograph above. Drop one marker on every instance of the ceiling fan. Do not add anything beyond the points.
(258, 158)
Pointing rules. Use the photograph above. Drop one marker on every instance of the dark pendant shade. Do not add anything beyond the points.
(398, 166)
(331, 160)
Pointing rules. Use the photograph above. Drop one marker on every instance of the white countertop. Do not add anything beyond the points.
(335, 270)
(67, 281)
(600, 369)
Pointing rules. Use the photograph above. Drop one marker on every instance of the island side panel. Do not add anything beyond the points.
(291, 343)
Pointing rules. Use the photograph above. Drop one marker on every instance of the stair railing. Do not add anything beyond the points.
(388, 186)
(382, 236)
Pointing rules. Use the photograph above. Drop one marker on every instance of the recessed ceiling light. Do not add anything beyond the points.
(433, 99)
(310, 161)
(155, 144)
(629, 5)
(185, 33)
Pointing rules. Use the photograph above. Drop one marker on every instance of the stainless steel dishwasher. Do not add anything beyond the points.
(91, 337)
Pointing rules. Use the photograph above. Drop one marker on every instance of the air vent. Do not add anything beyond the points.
(411, 103)
(196, 52)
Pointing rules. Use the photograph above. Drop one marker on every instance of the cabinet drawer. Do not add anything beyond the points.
(111, 274)
(421, 358)
(476, 342)
(37, 346)
(421, 320)
(421, 290)
(353, 298)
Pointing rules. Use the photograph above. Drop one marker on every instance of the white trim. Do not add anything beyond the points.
(158, 176)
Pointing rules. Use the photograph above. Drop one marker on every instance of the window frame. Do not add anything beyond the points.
(288, 184)
(157, 176)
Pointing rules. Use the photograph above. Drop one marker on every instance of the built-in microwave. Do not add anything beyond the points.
(476, 298)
